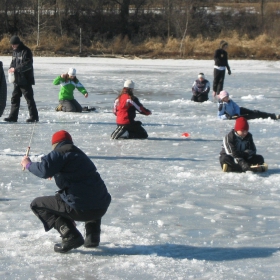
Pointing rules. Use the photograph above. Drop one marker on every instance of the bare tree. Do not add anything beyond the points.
(262, 4)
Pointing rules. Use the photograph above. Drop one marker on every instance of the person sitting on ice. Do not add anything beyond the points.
(82, 194)
(228, 109)
(239, 152)
(68, 82)
(200, 89)
(125, 107)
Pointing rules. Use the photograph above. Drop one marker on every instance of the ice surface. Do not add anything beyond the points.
(174, 214)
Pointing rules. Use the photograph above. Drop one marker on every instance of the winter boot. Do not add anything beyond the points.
(71, 237)
(58, 108)
(92, 233)
(227, 168)
(88, 109)
(32, 120)
(9, 119)
(259, 168)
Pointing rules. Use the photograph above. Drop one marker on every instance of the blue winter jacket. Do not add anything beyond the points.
(230, 108)
(81, 186)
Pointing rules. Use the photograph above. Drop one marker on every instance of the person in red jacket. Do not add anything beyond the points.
(125, 107)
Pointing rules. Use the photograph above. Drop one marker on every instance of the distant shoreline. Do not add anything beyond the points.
(134, 57)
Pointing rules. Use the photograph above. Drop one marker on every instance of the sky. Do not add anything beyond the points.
(174, 213)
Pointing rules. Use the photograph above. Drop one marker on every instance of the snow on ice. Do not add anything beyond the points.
(174, 214)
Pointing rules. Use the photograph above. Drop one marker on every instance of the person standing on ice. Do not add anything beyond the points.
(200, 89)
(82, 194)
(228, 109)
(22, 69)
(68, 83)
(125, 107)
(239, 152)
(3, 89)
(221, 64)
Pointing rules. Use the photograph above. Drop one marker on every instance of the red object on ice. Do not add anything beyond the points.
(186, 134)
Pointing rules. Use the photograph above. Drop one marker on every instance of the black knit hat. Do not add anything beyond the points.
(15, 40)
(223, 43)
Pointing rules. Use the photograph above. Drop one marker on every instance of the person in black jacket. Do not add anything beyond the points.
(83, 195)
(3, 89)
(200, 89)
(239, 152)
(221, 64)
(22, 67)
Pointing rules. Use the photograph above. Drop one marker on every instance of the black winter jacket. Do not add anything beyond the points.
(3, 90)
(81, 186)
(221, 58)
(22, 61)
(238, 147)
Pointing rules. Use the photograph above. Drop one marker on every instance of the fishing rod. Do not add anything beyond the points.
(28, 148)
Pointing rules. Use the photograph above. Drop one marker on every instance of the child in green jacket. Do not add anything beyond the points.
(68, 82)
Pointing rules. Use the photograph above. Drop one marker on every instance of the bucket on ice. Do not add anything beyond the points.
(11, 77)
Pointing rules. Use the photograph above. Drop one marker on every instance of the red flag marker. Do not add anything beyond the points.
(186, 134)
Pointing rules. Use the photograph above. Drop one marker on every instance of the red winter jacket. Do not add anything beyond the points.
(125, 109)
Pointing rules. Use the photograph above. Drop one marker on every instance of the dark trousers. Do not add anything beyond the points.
(135, 130)
(71, 106)
(235, 167)
(255, 114)
(218, 82)
(200, 98)
(49, 208)
(27, 92)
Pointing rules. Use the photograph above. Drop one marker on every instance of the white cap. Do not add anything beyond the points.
(200, 75)
(72, 72)
(128, 84)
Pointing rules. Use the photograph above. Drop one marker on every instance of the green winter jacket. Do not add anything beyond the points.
(67, 88)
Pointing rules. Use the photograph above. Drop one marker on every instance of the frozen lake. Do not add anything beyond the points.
(174, 213)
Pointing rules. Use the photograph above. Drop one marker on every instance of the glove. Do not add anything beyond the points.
(220, 106)
(228, 116)
(244, 165)
(248, 153)
(229, 72)
(145, 111)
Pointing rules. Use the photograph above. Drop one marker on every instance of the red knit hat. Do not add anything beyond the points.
(241, 124)
(60, 136)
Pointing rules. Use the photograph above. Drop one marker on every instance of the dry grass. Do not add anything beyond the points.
(121, 46)
(262, 47)
(5, 46)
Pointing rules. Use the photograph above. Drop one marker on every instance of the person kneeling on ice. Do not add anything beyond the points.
(239, 151)
(83, 195)
(68, 82)
(125, 107)
(228, 109)
(200, 89)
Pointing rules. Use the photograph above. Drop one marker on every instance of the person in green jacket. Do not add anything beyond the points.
(68, 82)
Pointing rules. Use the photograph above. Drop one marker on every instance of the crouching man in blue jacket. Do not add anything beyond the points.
(83, 195)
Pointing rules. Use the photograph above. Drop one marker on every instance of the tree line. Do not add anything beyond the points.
(88, 21)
